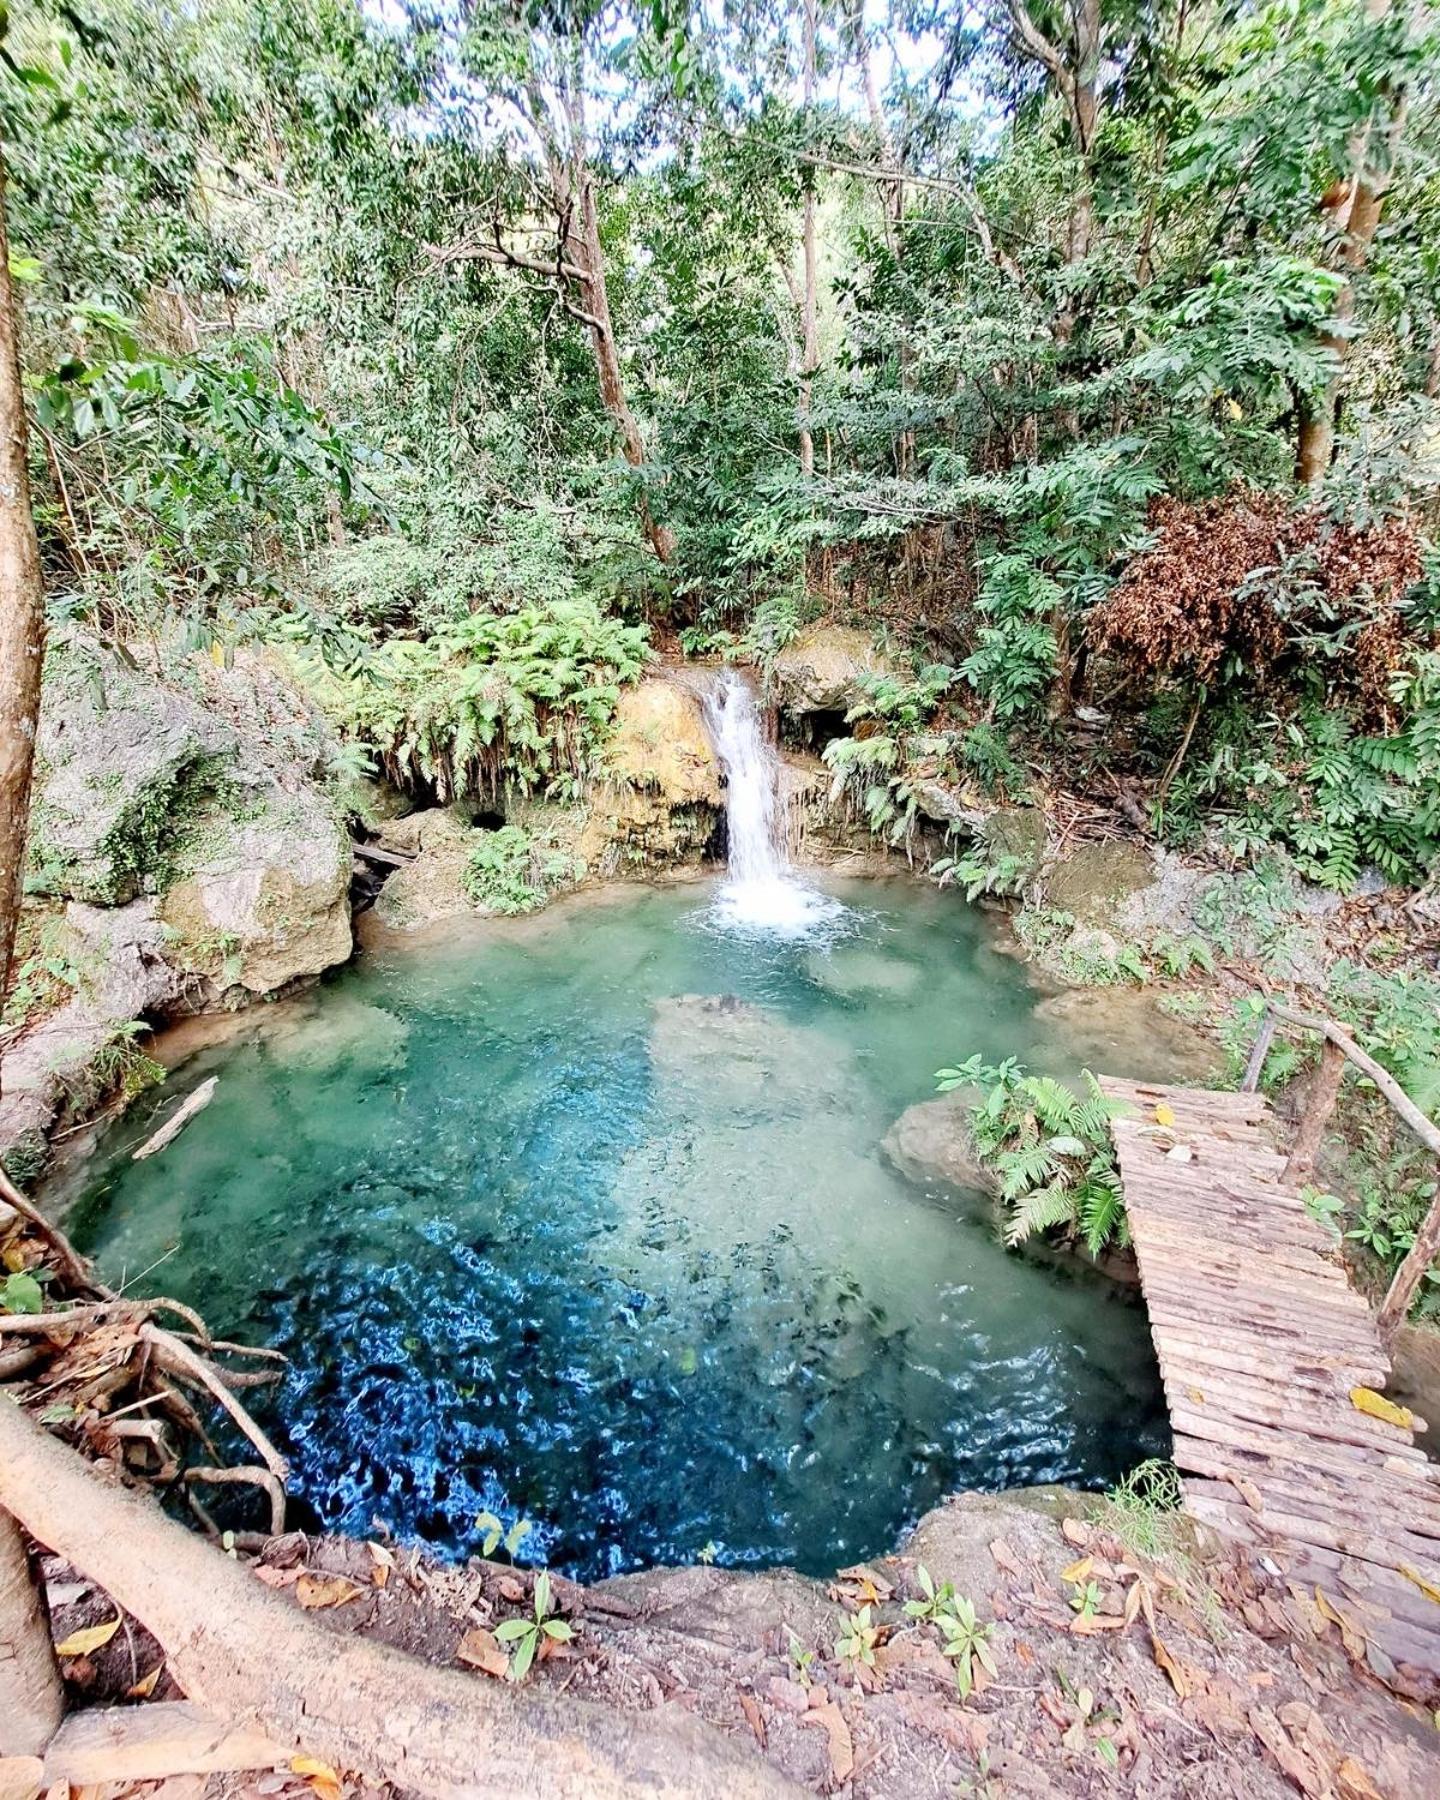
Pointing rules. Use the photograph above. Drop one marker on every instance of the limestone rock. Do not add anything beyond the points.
(68, 1062)
(1017, 832)
(1093, 882)
(660, 746)
(1122, 1031)
(197, 788)
(264, 902)
(119, 757)
(931, 1141)
(432, 887)
(819, 670)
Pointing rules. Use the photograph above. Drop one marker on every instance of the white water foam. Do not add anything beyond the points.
(761, 895)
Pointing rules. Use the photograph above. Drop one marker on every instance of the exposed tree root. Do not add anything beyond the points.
(243, 1654)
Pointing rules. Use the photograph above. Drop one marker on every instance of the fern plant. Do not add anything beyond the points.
(1051, 1149)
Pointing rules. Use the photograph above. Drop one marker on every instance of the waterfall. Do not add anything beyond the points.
(761, 892)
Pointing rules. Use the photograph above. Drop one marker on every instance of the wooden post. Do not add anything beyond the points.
(1259, 1050)
(1319, 1104)
(1395, 1308)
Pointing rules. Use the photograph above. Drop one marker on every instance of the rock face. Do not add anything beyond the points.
(199, 790)
(663, 793)
(1121, 1031)
(430, 888)
(819, 670)
(67, 1062)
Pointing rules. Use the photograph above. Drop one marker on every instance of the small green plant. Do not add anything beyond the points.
(707, 1552)
(934, 1600)
(1051, 1149)
(800, 1660)
(967, 1642)
(495, 1534)
(1085, 1598)
(20, 1292)
(856, 1638)
(527, 1635)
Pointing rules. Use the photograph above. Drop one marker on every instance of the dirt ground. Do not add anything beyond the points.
(1184, 1672)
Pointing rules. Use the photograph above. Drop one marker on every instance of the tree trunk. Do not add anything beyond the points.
(31, 1698)
(809, 348)
(1355, 213)
(22, 614)
(255, 1660)
(28, 1675)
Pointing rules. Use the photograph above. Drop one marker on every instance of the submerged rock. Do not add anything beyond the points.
(854, 970)
(931, 1141)
(1121, 1031)
(819, 670)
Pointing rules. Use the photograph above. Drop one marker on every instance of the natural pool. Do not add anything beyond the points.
(586, 1219)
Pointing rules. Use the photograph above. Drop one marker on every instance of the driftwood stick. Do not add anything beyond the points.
(1259, 1050)
(178, 1120)
(180, 1360)
(253, 1658)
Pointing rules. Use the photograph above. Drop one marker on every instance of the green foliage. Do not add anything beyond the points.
(21, 1292)
(509, 872)
(877, 766)
(522, 699)
(1051, 1149)
(46, 976)
(856, 1638)
(527, 1635)
(1014, 661)
(495, 1532)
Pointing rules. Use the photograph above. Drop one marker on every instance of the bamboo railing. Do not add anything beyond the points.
(1338, 1048)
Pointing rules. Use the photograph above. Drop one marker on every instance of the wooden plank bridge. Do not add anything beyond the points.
(1261, 1340)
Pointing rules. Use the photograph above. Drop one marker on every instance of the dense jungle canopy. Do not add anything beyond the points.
(1087, 352)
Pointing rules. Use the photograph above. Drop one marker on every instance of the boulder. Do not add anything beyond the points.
(1122, 1031)
(1093, 882)
(1016, 832)
(819, 670)
(931, 1141)
(196, 785)
(261, 902)
(120, 759)
(432, 887)
(660, 746)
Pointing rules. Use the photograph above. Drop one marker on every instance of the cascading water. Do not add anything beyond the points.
(761, 893)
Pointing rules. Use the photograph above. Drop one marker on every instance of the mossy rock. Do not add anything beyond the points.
(1017, 832)
(1093, 882)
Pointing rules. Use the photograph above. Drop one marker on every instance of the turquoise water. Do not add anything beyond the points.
(586, 1219)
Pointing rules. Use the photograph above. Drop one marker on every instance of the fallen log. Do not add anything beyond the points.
(244, 1654)
(178, 1120)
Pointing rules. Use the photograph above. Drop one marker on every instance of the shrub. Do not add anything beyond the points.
(524, 698)
(1051, 1148)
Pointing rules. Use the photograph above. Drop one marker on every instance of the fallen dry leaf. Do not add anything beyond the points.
(1354, 1782)
(384, 1564)
(1293, 1763)
(318, 1776)
(864, 1583)
(277, 1578)
(1075, 1533)
(510, 1589)
(1168, 1663)
(842, 1747)
(145, 1686)
(1366, 1400)
(754, 1717)
(1078, 1570)
(1005, 1557)
(480, 1649)
(81, 1643)
(315, 1591)
(1427, 1588)
(1164, 1115)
